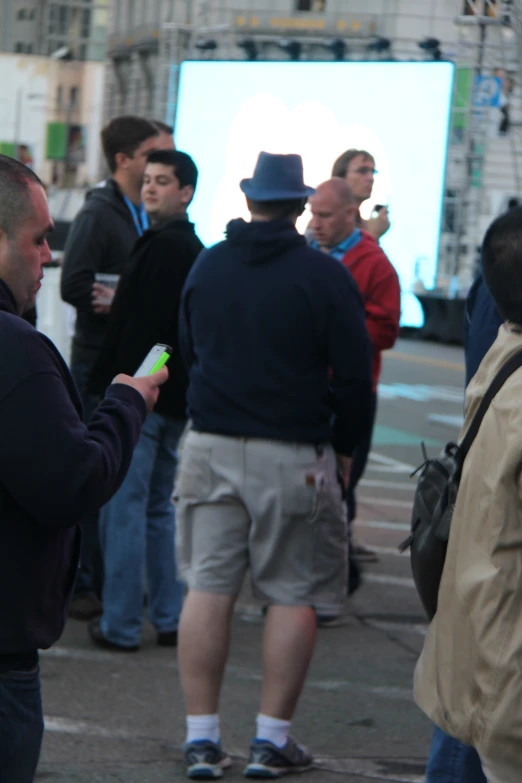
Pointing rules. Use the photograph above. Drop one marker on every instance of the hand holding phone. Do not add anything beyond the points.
(156, 358)
(147, 386)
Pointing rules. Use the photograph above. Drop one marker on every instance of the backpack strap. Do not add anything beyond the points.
(507, 369)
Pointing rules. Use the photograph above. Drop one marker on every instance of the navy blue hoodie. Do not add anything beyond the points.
(481, 324)
(274, 336)
(53, 470)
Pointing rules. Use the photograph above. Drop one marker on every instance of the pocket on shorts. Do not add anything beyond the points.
(193, 479)
(300, 492)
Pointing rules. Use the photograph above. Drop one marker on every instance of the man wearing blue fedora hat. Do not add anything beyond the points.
(279, 362)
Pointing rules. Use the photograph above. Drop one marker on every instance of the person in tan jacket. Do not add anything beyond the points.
(468, 678)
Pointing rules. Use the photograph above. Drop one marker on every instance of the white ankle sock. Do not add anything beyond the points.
(203, 727)
(272, 729)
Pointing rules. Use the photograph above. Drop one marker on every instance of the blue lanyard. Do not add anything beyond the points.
(339, 251)
(141, 221)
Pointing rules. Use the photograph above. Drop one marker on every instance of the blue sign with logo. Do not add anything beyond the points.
(487, 91)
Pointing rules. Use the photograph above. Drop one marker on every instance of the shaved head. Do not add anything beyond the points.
(337, 188)
(334, 211)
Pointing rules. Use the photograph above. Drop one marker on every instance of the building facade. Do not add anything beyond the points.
(74, 29)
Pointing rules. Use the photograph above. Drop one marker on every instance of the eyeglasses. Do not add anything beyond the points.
(364, 170)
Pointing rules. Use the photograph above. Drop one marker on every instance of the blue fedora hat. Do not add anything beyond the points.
(276, 178)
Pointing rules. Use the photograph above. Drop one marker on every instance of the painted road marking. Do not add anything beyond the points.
(66, 726)
(388, 550)
(388, 484)
(408, 357)
(387, 579)
(386, 502)
(449, 421)
(391, 436)
(419, 392)
(388, 464)
(383, 525)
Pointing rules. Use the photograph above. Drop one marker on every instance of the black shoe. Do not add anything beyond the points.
(266, 760)
(96, 634)
(85, 606)
(167, 639)
(205, 760)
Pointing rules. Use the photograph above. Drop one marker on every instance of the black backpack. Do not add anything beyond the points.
(435, 497)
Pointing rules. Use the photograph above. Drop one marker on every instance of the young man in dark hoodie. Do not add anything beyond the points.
(53, 468)
(137, 525)
(274, 338)
(100, 240)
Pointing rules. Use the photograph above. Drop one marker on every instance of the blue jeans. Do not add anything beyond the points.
(21, 725)
(137, 531)
(452, 762)
(90, 573)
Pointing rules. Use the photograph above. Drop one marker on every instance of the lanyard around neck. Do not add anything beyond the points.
(141, 220)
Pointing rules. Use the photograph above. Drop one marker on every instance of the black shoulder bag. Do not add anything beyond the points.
(435, 497)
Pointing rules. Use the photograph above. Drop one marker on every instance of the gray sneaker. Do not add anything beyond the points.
(266, 760)
(205, 760)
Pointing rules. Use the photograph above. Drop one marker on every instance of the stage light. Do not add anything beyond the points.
(379, 45)
(291, 47)
(250, 48)
(338, 48)
(206, 45)
(432, 47)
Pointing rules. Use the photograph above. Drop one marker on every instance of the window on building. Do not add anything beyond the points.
(86, 23)
(31, 14)
(316, 6)
(63, 18)
(21, 14)
(29, 48)
(74, 95)
(18, 47)
(59, 96)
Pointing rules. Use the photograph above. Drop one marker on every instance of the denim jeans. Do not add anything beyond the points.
(452, 762)
(21, 725)
(137, 531)
(90, 573)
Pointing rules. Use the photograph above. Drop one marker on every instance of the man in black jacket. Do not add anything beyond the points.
(274, 335)
(52, 469)
(100, 241)
(137, 526)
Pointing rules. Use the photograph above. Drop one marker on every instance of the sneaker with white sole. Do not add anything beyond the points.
(205, 760)
(266, 760)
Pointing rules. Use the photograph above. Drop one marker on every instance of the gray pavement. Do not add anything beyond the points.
(119, 717)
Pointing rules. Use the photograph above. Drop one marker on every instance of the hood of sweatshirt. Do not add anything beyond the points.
(261, 242)
(7, 300)
(111, 194)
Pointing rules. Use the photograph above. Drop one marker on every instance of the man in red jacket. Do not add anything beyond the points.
(334, 228)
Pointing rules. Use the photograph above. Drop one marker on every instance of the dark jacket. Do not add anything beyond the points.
(263, 318)
(481, 324)
(145, 311)
(53, 470)
(100, 239)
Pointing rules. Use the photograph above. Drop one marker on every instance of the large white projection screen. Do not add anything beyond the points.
(227, 112)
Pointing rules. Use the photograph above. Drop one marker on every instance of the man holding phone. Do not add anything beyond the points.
(137, 526)
(357, 168)
(53, 468)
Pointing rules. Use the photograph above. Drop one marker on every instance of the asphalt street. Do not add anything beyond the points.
(119, 717)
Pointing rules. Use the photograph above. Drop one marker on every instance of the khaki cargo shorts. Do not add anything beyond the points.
(272, 507)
